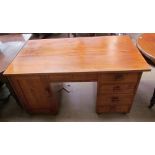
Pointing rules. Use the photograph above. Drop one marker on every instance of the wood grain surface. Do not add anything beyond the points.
(146, 44)
(117, 93)
(37, 94)
(112, 61)
(77, 55)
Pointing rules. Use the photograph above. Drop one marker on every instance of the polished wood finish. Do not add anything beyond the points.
(146, 44)
(74, 55)
(113, 62)
(36, 93)
(117, 95)
(114, 89)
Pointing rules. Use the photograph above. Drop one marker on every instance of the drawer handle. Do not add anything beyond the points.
(48, 91)
(116, 88)
(114, 99)
(118, 76)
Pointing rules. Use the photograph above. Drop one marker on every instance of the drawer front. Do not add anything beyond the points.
(73, 77)
(115, 100)
(126, 88)
(123, 109)
(119, 77)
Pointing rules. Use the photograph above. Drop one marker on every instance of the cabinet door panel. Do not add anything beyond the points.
(38, 93)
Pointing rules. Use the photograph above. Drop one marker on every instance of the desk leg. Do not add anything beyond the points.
(36, 93)
(152, 102)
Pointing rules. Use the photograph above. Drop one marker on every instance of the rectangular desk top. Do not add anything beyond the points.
(77, 55)
(10, 45)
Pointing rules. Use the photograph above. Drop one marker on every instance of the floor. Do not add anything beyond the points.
(79, 104)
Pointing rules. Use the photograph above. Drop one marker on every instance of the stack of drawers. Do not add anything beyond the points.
(116, 92)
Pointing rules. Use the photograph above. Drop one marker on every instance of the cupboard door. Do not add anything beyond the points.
(39, 94)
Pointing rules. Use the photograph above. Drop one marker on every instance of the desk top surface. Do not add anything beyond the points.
(10, 45)
(73, 55)
(146, 43)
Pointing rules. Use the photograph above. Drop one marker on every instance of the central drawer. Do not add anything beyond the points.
(115, 100)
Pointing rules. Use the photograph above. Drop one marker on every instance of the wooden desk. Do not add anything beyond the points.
(111, 61)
